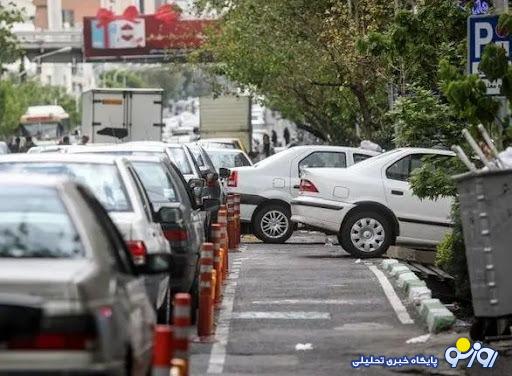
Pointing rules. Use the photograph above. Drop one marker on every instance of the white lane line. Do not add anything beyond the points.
(291, 315)
(314, 301)
(393, 298)
(218, 352)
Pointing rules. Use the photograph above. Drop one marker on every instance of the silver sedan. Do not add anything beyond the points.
(71, 299)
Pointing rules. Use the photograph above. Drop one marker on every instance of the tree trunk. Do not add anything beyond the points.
(364, 107)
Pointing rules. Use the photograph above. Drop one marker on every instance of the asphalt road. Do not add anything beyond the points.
(306, 308)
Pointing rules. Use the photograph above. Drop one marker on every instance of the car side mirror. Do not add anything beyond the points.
(196, 188)
(224, 173)
(156, 263)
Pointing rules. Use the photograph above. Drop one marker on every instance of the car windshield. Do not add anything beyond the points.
(35, 223)
(222, 145)
(156, 181)
(228, 160)
(103, 179)
(179, 157)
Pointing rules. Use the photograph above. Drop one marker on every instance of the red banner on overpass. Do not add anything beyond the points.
(110, 37)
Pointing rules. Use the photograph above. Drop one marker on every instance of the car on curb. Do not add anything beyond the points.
(371, 205)
(114, 182)
(267, 188)
(74, 301)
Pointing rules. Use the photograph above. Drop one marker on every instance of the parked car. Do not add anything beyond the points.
(268, 187)
(223, 143)
(180, 155)
(208, 172)
(371, 205)
(228, 158)
(77, 301)
(114, 182)
(181, 221)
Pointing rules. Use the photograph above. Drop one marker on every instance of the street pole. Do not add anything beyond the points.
(501, 6)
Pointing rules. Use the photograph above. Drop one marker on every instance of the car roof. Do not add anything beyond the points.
(218, 140)
(333, 148)
(118, 147)
(225, 151)
(38, 180)
(428, 150)
(59, 157)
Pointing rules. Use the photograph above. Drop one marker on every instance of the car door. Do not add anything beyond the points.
(315, 159)
(422, 220)
(128, 289)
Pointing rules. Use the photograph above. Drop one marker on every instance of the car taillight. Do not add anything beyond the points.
(53, 341)
(176, 235)
(138, 251)
(307, 186)
(233, 179)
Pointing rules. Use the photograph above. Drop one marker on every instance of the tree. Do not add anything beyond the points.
(300, 55)
(9, 49)
(15, 98)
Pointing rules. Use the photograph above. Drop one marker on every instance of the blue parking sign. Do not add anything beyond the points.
(483, 30)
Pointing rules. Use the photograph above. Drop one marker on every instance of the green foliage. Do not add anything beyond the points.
(451, 257)
(421, 119)
(302, 57)
(15, 98)
(9, 49)
(494, 61)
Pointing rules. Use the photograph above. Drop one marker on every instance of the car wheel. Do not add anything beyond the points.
(272, 224)
(366, 234)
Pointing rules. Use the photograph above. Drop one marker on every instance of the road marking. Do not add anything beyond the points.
(218, 352)
(314, 301)
(393, 298)
(291, 315)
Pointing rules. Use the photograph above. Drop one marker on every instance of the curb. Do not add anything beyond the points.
(437, 317)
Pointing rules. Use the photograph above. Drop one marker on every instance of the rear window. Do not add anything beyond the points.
(228, 160)
(35, 224)
(103, 179)
(157, 182)
(179, 157)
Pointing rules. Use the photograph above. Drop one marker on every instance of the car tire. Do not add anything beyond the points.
(366, 234)
(272, 224)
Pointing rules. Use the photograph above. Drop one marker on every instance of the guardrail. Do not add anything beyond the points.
(50, 39)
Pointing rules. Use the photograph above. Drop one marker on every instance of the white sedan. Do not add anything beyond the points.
(371, 205)
(267, 188)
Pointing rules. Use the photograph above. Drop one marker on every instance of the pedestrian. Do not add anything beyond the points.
(274, 138)
(286, 136)
(28, 144)
(15, 147)
(84, 140)
(268, 150)
(65, 140)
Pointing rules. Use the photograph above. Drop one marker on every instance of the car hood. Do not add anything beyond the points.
(54, 281)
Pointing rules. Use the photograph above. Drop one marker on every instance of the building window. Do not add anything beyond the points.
(68, 18)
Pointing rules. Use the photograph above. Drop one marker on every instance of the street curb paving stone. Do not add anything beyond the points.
(404, 278)
(388, 264)
(432, 311)
(398, 269)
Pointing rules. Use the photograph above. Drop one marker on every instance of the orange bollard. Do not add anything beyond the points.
(231, 222)
(222, 219)
(238, 225)
(162, 350)
(205, 319)
(182, 322)
(217, 262)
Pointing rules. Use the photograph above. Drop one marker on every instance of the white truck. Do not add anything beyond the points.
(226, 117)
(115, 115)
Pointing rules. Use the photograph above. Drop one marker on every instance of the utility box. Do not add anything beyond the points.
(226, 117)
(122, 115)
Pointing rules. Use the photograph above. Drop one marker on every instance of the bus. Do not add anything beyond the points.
(44, 123)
